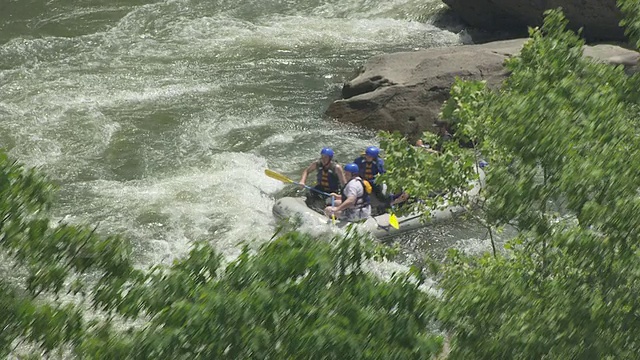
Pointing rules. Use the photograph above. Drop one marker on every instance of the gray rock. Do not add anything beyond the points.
(405, 91)
(599, 18)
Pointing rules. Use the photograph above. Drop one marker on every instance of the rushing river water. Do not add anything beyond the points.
(158, 118)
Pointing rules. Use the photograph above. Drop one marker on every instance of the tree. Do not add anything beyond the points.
(631, 10)
(561, 136)
(296, 298)
(48, 261)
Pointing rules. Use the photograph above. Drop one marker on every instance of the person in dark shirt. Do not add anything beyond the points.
(371, 165)
(444, 135)
(329, 178)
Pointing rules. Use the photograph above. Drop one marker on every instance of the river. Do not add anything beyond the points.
(157, 118)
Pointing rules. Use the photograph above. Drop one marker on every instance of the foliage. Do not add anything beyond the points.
(296, 297)
(447, 175)
(48, 259)
(561, 137)
(631, 22)
(582, 306)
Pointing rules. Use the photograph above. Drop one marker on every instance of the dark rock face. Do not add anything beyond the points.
(599, 18)
(404, 91)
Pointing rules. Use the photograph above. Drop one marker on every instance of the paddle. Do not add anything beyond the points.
(393, 220)
(333, 204)
(274, 175)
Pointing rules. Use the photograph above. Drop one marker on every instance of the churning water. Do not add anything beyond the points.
(158, 118)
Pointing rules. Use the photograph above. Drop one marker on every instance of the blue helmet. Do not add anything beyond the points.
(372, 151)
(327, 151)
(352, 168)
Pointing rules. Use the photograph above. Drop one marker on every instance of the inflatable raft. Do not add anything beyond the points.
(378, 226)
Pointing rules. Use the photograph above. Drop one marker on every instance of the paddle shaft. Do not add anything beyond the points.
(312, 189)
(274, 175)
(333, 204)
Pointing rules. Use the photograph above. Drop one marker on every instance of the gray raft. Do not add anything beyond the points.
(378, 226)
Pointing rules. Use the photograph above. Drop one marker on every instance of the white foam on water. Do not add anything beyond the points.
(297, 31)
(386, 270)
(193, 30)
(169, 213)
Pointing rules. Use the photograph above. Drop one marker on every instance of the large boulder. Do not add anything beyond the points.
(599, 18)
(405, 91)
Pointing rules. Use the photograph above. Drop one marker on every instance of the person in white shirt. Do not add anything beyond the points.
(354, 204)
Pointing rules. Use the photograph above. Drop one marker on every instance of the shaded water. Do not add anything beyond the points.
(158, 118)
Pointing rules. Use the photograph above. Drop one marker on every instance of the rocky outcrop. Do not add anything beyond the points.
(405, 91)
(599, 18)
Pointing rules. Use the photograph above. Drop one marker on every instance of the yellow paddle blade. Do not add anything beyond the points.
(393, 221)
(274, 175)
